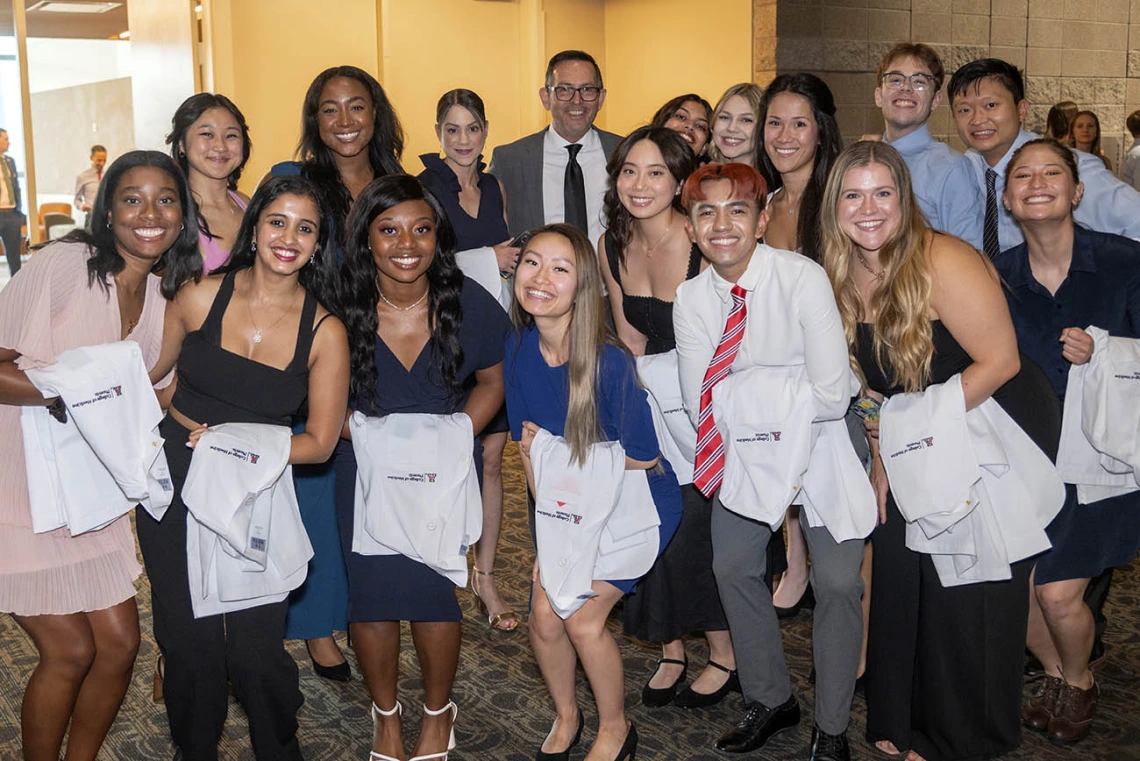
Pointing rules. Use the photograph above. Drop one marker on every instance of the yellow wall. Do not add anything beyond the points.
(656, 49)
(162, 66)
(276, 48)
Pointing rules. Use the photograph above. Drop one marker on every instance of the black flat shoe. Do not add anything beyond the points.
(629, 747)
(806, 601)
(341, 672)
(758, 726)
(654, 697)
(563, 755)
(687, 697)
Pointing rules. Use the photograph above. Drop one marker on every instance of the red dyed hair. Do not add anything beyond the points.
(747, 183)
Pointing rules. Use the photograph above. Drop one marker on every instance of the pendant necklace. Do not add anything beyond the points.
(257, 332)
(863, 260)
(649, 248)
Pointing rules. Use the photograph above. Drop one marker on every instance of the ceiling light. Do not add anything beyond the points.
(64, 6)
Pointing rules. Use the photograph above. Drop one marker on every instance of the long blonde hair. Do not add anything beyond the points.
(587, 334)
(754, 95)
(898, 308)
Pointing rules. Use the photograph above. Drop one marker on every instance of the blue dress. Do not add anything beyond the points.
(489, 228)
(1101, 289)
(539, 393)
(395, 587)
(319, 606)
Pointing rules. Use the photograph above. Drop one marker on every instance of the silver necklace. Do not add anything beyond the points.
(258, 331)
(408, 308)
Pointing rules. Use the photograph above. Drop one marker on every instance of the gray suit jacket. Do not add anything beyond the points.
(519, 166)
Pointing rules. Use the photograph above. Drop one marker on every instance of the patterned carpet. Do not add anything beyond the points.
(504, 710)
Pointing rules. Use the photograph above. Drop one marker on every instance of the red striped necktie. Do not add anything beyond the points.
(709, 466)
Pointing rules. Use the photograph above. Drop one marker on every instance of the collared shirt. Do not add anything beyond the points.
(944, 184)
(1101, 289)
(1130, 168)
(86, 187)
(7, 203)
(791, 319)
(592, 157)
(1108, 205)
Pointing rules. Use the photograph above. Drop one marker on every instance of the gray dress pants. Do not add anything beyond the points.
(739, 561)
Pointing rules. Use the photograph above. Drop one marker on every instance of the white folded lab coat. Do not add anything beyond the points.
(676, 435)
(108, 456)
(417, 492)
(836, 492)
(245, 543)
(1110, 402)
(597, 521)
(482, 266)
(975, 490)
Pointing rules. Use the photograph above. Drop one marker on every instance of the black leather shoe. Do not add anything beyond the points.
(825, 747)
(806, 601)
(759, 724)
(564, 755)
(690, 698)
(654, 697)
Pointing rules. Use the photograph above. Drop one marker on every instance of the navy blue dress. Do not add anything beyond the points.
(539, 393)
(1102, 289)
(395, 587)
(489, 228)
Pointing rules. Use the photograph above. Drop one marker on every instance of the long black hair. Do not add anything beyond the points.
(819, 97)
(318, 277)
(359, 289)
(384, 151)
(178, 264)
(678, 158)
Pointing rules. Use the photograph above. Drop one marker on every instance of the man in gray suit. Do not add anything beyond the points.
(559, 173)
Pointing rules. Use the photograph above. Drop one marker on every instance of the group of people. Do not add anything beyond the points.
(734, 259)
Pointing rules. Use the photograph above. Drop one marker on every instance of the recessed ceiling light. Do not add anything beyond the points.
(64, 6)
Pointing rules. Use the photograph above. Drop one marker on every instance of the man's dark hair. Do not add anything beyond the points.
(571, 55)
(96, 148)
(1002, 72)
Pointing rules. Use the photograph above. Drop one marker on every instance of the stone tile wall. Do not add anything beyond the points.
(1087, 51)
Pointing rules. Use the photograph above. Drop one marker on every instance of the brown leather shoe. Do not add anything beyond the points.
(1073, 715)
(1039, 709)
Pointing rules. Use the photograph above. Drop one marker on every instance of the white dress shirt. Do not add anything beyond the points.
(792, 319)
(592, 158)
(1130, 168)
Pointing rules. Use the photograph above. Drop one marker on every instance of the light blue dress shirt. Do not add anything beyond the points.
(1108, 205)
(944, 184)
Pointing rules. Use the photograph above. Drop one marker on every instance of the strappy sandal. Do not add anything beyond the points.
(507, 620)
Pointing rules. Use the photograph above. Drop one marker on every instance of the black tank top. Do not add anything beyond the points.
(651, 316)
(217, 386)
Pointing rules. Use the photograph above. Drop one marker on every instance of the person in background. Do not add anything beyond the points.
(987, 101)
(11, 218)
(1059, 118)
(75, 595)
(1130, 167)
(736, 126)
(558, 174)
(210, 141)
(688, 115)
(475, 204)
(910, 79)
(566, 373)
(1084, 135)
(350, 134)
(87, 181)
(1062, 279)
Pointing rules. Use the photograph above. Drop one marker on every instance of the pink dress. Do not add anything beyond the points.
(45, 310)
(213, 255)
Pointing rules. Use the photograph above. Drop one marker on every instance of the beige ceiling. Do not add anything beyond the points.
(98, 26)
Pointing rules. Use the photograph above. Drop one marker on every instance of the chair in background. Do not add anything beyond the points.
(57, 210)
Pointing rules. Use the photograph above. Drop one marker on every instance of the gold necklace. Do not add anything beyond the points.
(398, 308)
(863, 260)
(649, 248)
(257, 332)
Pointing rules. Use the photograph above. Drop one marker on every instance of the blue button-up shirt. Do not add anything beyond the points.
(1102, 289)
(1108, 205)
(944, 184)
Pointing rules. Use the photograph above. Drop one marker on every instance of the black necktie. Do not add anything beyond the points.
(990, 230)
(574, 191)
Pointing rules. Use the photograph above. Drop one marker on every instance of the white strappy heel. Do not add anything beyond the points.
(442, 756)
(376, 712)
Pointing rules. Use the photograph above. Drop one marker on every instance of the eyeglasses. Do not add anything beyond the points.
(895, 80)
(589, 93)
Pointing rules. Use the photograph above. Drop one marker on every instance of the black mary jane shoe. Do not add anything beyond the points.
(806, 602)
(687, 697)
(654, 697)
(562, 755)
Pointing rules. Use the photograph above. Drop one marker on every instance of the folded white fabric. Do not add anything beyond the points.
(245, 543)
(597, 521)
(676, 435)
(482, 266)
(108, 456)
(836, 492)
(975, 490)
(1110, 402)
(417, 492)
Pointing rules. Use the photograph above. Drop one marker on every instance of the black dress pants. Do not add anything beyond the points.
(245, 648)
